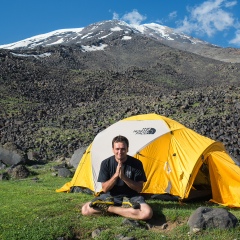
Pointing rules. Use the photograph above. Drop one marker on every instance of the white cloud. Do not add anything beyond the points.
(134, 17)
(172, 15)
(115, 15)
(236, 40)
(208, 18)
(187, 26)
(230, 4)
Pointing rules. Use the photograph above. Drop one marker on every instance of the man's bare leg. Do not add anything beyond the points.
(144, 213)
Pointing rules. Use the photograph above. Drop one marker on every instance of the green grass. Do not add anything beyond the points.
(34, 210)
(12, 105)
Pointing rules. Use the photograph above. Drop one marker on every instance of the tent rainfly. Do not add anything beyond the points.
(177, 160)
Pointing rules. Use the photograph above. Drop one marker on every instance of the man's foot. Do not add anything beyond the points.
(102, 205)
(126, 203)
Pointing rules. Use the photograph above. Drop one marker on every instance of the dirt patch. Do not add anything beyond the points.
(160, 225)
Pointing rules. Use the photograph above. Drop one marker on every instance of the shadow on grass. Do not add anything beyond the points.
(159, 206)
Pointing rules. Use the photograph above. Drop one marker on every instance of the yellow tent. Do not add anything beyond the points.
(176, 160)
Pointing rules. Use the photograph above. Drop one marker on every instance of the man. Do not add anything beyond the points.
(122, 178)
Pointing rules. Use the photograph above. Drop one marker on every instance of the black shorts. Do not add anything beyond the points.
(118, 199)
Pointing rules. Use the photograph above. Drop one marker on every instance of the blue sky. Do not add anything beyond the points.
(215, 21)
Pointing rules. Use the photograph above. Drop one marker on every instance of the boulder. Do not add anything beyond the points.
(205, 218)
(76, 157)
(4, 176)
(64, 172)
(2, 165)
(18, 172)
(11, 155)
(31, 155)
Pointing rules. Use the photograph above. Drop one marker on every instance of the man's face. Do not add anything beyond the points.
(120, 151)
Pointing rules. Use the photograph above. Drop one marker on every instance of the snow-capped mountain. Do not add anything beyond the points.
(101, 30)
(55, 37)
(98, 36)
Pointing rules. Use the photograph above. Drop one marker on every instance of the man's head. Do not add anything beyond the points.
(120, 146)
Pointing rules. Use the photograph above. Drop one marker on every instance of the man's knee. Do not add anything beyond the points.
(147, 213)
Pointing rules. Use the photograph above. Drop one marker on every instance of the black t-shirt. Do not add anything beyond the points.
(133, 169)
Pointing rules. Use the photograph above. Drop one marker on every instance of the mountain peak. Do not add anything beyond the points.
(100, 30)
(98, 36)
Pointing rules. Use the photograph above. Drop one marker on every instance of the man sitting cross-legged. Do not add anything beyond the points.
(122, 178)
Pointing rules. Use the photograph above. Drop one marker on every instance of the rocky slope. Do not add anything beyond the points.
(56, 99)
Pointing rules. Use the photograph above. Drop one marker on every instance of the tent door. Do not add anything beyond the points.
(201, 188)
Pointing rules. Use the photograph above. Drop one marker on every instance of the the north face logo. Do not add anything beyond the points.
(145, 131)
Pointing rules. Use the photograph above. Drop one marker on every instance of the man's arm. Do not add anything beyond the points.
(137, 186)
(109, 184)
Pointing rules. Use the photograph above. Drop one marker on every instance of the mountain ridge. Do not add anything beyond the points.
(77, 35)
(104, 29)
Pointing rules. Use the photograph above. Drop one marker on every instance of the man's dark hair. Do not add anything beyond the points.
(120, 138)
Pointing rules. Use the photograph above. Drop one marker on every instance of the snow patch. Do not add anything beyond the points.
(87, 35)
(105, 36)
(126, 38)
(38, 39)
(43, 55)
(116, 29)
(57, 42)
(93, 48)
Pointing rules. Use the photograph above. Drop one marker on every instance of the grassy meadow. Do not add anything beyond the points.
(31, 209)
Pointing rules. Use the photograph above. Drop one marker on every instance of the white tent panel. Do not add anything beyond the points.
(141, 133)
